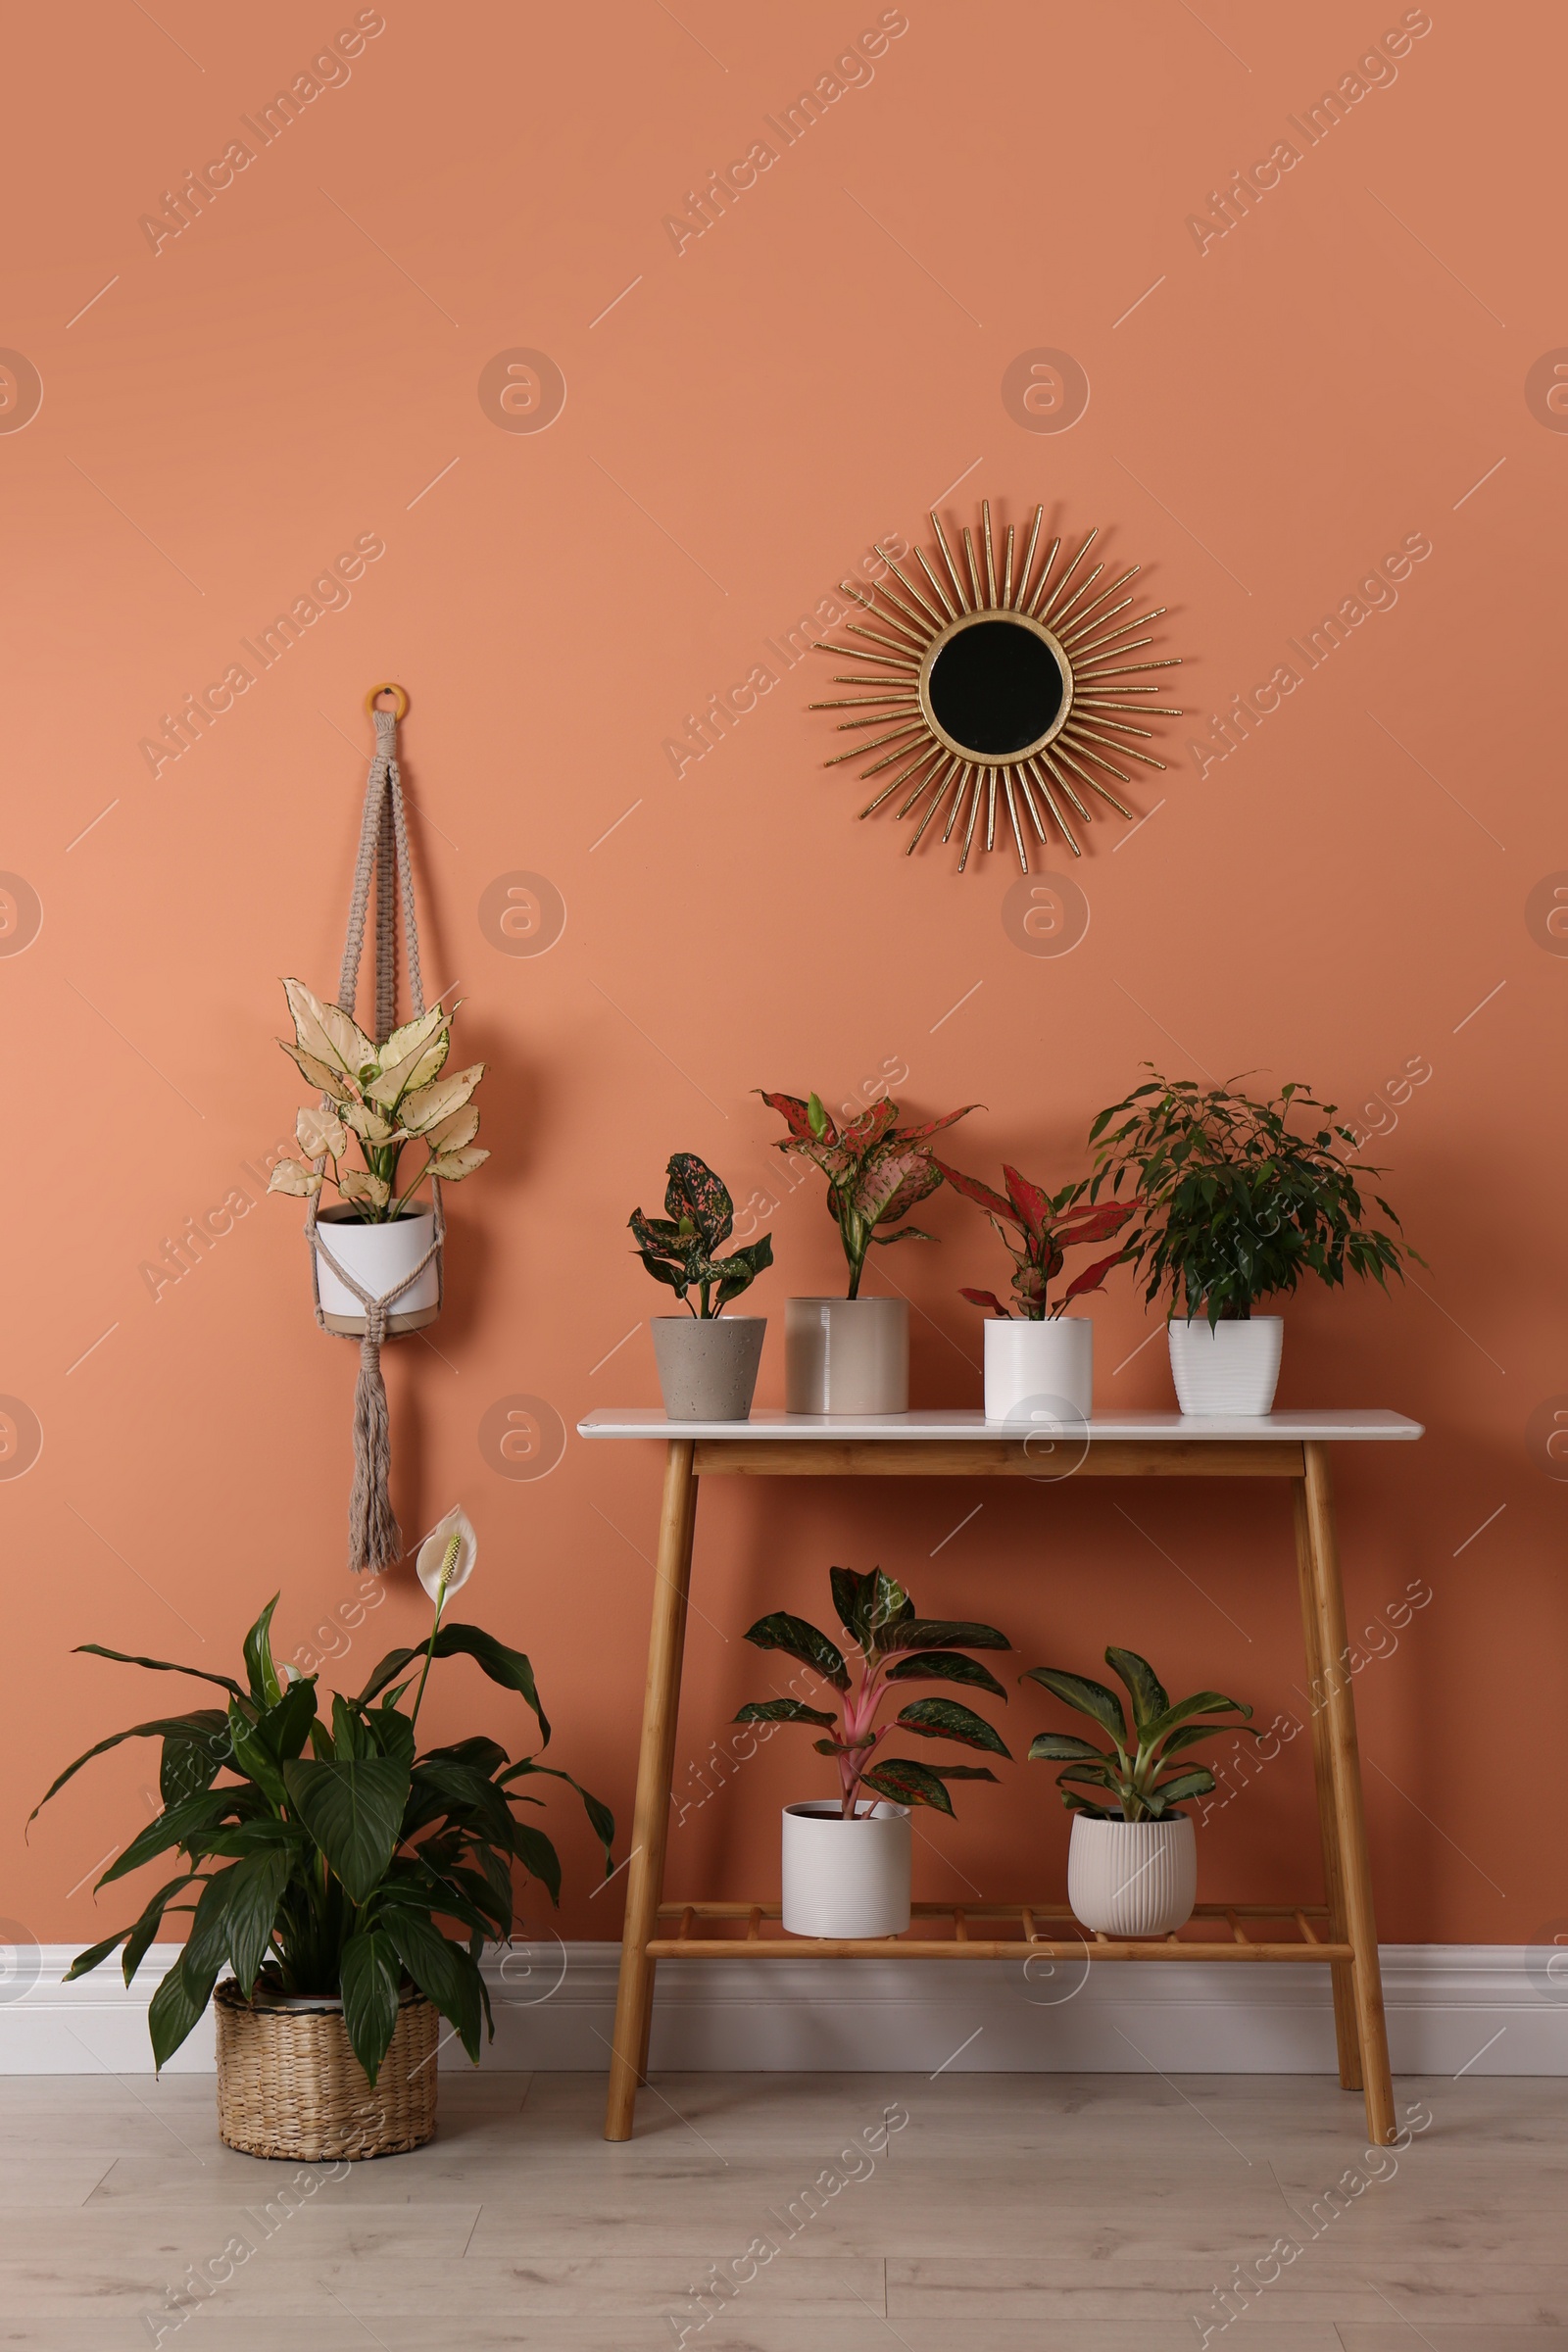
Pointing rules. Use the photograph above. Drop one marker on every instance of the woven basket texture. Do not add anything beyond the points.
(289, 2084)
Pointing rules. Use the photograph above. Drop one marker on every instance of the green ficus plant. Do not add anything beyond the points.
(1047, 1225)
(892, 1645)
(320, 1849)
(1234, 1204)
(1135, 1774)
(378, 1099)
(877, 1170)
(681, 1247)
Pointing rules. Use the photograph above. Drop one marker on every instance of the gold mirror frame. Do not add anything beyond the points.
(970, 620)
(1089, 645)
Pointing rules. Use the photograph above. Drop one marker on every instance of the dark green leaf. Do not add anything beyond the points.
(484, 1755)
(442, 1971)
(350, 1738)
(393, 1733)
(946, 1633)
(798, 1640)
(194, 1726)
(1174, 1791)
(120, 1657)
(1203, 1702)
(538, 1857)
(256, 1889)
(508, 1667)
(354, 1812)
(140, 1939)
(370, 1972)
(93, 1956)
(947, 1719)
(903, 1782)
(174, 1827)
(176, 2007)
(601, 1820)
(1061, 1747)
(267, 1684)
(191, 1761)
(944, 1666)
(1148, 1696)
(253, 1757)
(1089, 1697)
(783, 1710)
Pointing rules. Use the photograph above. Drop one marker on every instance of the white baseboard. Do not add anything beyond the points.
(1451, 2008)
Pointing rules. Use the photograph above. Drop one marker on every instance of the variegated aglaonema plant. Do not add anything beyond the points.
(1135, 1777)
(877, 1170)
(681, 1247)
(1048, 1225)
(893, 1646)
(380, 1099)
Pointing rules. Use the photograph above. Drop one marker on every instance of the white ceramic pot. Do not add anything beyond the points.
(846, 1878)
(378, 1256)
(1226, 1367)
(846, 1356)
(1040, 1372)
(1132, 1878)
(708, 1364)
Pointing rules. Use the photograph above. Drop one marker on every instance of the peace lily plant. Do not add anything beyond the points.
(320, 1849)
(381, 1098)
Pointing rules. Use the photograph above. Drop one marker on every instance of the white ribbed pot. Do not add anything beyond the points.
(846, 1356)
(378, 1256)
(1226, 1367)
(846, 1878)
(1132, 1878)
(708, 1364)
(1040, 1372)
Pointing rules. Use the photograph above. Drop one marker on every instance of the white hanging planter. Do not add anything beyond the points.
(846, 1878)
(1040, 1372)
(846, 1356)
(1132, 1878)
(1226, 1367)
(378, 1258)
(708, 1364)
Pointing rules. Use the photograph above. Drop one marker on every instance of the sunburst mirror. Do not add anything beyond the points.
(999, 693)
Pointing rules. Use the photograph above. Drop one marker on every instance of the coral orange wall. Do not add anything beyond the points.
(1358, 895)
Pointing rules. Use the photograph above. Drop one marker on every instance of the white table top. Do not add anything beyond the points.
(1353, 1423)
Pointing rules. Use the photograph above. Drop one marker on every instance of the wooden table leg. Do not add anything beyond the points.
(1341, 1971)
(650, 1828)
(1345, 1772)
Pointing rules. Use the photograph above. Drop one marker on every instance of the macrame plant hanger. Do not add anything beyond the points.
(376, 1540)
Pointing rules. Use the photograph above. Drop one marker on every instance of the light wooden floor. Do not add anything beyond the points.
(1057, 2213)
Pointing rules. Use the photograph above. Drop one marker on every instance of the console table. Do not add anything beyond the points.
(1339, 1933)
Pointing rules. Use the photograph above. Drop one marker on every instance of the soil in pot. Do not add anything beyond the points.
(846, 1878)
(708, 1364)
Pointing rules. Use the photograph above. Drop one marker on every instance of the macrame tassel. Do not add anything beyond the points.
(376, 1540)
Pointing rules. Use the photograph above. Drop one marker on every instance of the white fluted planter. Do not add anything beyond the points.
(846, 1356)
(1226, 1367)
(1040, 1372)
(1132, 1878)
(846, 1878)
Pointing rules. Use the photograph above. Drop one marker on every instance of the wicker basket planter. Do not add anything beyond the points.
(289, 2084)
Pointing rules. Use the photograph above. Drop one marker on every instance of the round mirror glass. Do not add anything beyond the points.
(996, 688)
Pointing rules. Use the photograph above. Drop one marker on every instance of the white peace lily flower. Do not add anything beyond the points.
(447, 1555)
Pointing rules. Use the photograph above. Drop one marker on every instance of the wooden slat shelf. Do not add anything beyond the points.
(1031, 1942)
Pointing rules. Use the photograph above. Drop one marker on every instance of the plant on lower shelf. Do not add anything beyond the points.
(877, 1170)
(1233, 1204)
(1048, 1225)
(383, 1099)
(326, 1871)
(1136, 1773)
(893, 1645)
(681, 1246)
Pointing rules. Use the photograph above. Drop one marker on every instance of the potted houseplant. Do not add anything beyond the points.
(319, 1851)
(1236, 1205)
(1132, 1865)
(847, 1859)
(376, 1101)
(852, 1354)
(707, 1359)
(1039, 1361)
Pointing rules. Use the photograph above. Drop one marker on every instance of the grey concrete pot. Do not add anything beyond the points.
(708, 1364)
